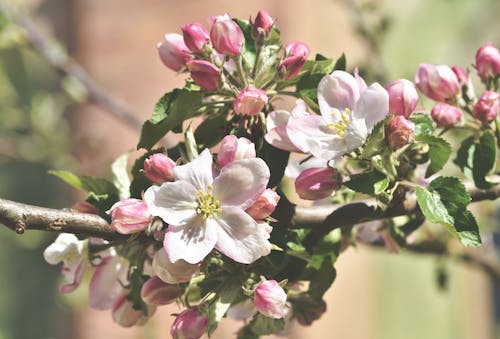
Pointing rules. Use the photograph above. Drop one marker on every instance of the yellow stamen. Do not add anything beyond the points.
(207, 204)
(343, 120)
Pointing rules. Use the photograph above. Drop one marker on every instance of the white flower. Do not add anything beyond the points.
(349, 111)
(71, 252)
(205, 213)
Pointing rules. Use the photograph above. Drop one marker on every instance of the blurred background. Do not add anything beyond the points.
(48, 121)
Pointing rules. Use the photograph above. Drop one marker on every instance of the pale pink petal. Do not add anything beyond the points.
(239, 236)
(73, 276)
(174, 202)
(191, 242)
(355, 134)
(241, 182)
(338, 90)
(276, 135)
(106, 283)
(197, 172)
(373, 106)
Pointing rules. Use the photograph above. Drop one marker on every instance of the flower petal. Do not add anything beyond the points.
(174, 202)
(197, 172)
(276, 135)
(106, 284)
(355, 134)
(373, 105)
(191, 242)
(339, 90)
(241, 182)
(239, 236)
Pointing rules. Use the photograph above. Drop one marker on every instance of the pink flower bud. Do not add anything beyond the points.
(446, 115)
(438, 82)
(190, 324)
(297, 53)
(226, 35)
(264, 205)
(233, 148)
(403, 97)
(317, 183)
(399, 132)
(129, 216)
(487, 61)
(250, 101)
(173, 52)
(159, 168)
(204, 74)
(486, 109)
(156, 292)
(462, 76)
(195, 36)
(262, 24)
(270, 299)
(124, 314)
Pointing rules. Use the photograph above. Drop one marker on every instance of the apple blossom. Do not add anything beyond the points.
(403, 97)
(437, 82)
(446, 115)
(233, 148)
(348, 115)
(129, 216)
(264, 205)
(227, 37)
(203, 212)
(270, 299)
(487, 107)
(399, 132)
(173, 51)
(72, 253)
(156, 292)
(173, 272)
(159, 168)
(317, 183)
(195, 36)
(204, 74)
(250, 101)
(190, 324)
(106, 285)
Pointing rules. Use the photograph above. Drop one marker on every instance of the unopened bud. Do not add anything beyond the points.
(399, 132)
(250, 101)
(159, 168)
(227, 37)
(487, 61)
(403, 97)
(438, 82)
(173, 51)
(204, 74)
(446, 115)
(270, 299)
(195, 36)
(264, 205)
(233, 148)
(156, 292)
(262, 24)
(129, 216)
(317, 183)
(486, 109)
(296, 54)
(190, 324)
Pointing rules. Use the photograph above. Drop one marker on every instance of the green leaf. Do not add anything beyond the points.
(248, 52)
(484, 160)
(86, 183)
(423, 124)
(262, 325)
(211, 131)
(341, 64)
(228, 293)
(439, 152)
(445, 202)
(310, 97)
(322, 279)
(375, 143)
(465, 157)
(121, 179)
(371, 183)
(170, 111)
(139, 180)
(385, 163)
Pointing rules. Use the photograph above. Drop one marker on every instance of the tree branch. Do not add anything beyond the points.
(52, 51)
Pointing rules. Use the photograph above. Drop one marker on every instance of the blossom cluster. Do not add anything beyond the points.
(209, 226)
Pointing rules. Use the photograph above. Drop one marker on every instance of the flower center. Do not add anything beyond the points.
(343, 120)
(207, 204)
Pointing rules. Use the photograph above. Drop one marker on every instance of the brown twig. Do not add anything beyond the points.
(52, 51)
